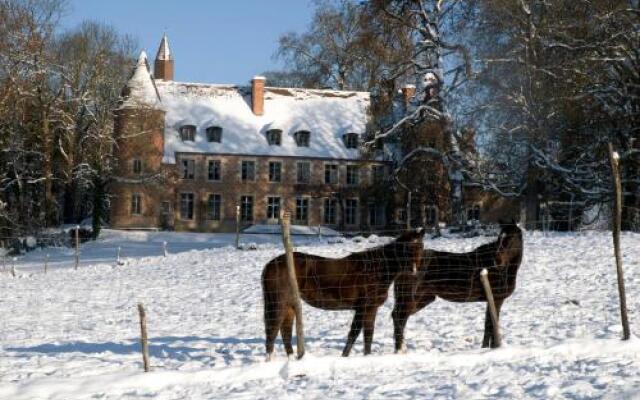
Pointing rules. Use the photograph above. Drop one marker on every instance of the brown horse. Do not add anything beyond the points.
(456, 277)
(359, 281)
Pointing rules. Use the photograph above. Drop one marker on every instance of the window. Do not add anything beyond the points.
(351, 140)
(273, 207)
(353, 174)
(188, 169)
(214, 134)
(188, 133)
(302, 210)
(303, 173)
(186, 205)
(431, 215)
(213, 207)
(165, 208)
(377, 173)
(136, 204)
(137, 166)
(473, 212)
(376, 214)
(331, 174)
(214, 170)
(351, 211)
(248, 172)
(330, 211)
(302, 138)
(246, 208)
(274, 137)
(275, 171)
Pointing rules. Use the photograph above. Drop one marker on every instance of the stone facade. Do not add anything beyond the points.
(202, 190)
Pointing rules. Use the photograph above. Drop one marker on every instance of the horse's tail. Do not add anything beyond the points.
(274, 290)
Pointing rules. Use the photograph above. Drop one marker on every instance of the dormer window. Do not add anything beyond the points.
(214, 134)
(188, 133)
(351, 140)
(274, 137)
(302, 138)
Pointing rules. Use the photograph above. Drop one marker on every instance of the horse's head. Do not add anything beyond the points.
(409, 250)
(510, 245)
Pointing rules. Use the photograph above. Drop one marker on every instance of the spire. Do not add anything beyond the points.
(164, 53)
(163, 66)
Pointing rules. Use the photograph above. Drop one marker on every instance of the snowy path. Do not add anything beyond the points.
(73, 334)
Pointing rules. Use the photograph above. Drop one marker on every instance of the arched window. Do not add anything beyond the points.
(214, 134)
(274, 137)
(188, 133)
(302, 138)
(351, 140)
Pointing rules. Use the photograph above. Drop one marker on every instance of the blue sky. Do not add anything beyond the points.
(217, 41)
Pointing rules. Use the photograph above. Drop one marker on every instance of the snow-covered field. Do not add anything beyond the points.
(74, 334)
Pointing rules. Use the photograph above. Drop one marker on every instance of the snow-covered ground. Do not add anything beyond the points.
(74, 334)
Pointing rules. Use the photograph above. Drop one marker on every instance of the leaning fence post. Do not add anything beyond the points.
(77, 246)
(617, 221)
(164, 248)
(143, 337)
(293, 282)
(497, 340)
(237, 227)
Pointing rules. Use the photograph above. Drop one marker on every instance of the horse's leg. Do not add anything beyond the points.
(401, 313)
(400, 317)
(286, 330)
(356, 327)
(369, 324)
(273, 315)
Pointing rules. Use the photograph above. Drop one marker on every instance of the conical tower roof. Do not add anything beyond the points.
(164, 52)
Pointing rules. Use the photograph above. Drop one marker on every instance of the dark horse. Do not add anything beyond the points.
(456, 277)
(359, 281)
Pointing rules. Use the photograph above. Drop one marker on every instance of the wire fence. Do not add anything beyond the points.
(205, 308)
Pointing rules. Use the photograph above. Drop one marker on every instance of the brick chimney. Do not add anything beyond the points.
(163, 66)
(408, 92)
(257, 95)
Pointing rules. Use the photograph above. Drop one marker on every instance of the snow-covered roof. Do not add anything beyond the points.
(326, 114)
(164, 53)
(140, 88)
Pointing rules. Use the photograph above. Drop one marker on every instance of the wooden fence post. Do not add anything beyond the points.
(77, 246)
(46, 262)
(164, 248)
(13, 267)
(293, 282)
(143, 337)
(617, 221)
(497, 340)
(408, 210)
(237, 227)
